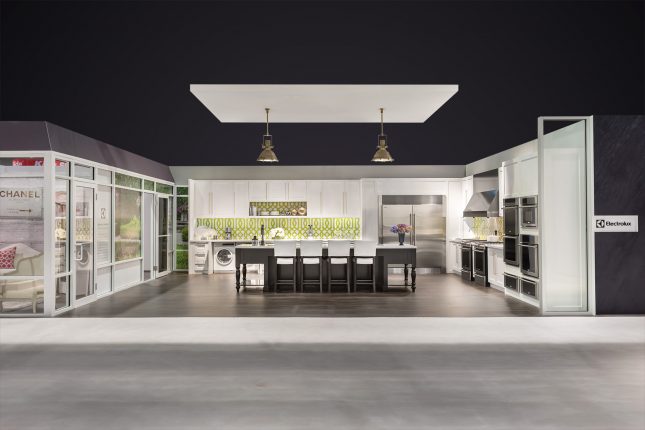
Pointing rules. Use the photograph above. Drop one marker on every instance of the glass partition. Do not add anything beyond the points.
(127, 224)
(104, 225)
(84, 240)
(181, 233)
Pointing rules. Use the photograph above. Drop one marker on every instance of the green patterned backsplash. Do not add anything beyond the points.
(294, 228)
(278, 206)
(484, 227)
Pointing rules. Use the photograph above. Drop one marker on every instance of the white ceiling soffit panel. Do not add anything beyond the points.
(323, 103)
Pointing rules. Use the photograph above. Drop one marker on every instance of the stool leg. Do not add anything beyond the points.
(373, 278)
(354, 274)
(320, 266)
(295, 273)
(347, 276)
(328, 275)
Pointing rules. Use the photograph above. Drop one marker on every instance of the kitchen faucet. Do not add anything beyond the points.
(310, 232)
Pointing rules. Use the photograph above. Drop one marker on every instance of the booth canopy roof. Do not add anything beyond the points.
(45, 136)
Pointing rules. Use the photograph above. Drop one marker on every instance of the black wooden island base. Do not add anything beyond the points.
(385, 255)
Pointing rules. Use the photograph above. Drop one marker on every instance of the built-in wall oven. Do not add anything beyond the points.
(466, 262)
(480, 265)
(529, 255)
(511, 232)
(529, 211)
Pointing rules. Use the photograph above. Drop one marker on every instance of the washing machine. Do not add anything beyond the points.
(224, 257)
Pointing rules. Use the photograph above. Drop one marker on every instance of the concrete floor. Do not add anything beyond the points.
(321, 373)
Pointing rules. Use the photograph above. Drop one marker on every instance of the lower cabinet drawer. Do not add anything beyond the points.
(511, 282)
(529, 288)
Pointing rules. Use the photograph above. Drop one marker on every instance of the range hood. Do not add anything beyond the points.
(483, 204)
(485, 199)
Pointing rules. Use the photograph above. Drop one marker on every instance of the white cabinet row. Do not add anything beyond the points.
(520, 177)
(496, 266)
(219, 199)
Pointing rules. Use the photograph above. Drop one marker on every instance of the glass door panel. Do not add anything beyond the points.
(84, 241)
(164, 236)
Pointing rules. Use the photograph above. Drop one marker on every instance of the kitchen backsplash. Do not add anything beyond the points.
(294, 228)
(484, 227)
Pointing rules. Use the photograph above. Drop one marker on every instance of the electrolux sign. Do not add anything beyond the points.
(616, 223)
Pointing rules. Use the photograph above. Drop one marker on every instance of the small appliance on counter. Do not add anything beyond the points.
(228, 233)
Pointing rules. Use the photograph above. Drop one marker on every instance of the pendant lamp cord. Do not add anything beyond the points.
(381, 121)
(267, 111)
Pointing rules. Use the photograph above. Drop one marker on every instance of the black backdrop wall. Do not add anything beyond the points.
(120, 71)
(619, 187)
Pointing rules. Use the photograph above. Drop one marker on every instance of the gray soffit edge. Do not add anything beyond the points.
(45, 136)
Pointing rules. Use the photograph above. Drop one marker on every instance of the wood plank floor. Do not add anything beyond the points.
(181, 295)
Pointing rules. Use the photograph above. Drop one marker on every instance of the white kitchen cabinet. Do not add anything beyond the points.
(200, 258)
(276, 191)
(453, 258)
(467, 191)
(529, 177)
(496, 267)
(241, 189)
(333, 199)
(353, 199)
(223, 199)
(314, 198)
(455, 210)
(297, 191)
(258, 191)
(501, 190)
(511, 178)
(202, 199)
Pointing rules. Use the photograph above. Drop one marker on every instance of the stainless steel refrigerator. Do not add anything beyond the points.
(427, 216)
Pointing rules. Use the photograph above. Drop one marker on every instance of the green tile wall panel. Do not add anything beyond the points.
(294, 228)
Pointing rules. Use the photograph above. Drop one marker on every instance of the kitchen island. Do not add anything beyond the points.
(386, 255)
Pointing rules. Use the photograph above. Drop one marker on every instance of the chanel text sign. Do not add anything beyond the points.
(616, 223)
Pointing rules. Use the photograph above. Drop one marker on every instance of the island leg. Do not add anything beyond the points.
(405, 274)
(244, 275)
(237, 276)
(414, 278)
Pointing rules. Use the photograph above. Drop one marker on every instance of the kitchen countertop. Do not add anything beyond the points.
(385, 246)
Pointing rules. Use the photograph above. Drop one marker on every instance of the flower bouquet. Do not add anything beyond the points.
(401, 230)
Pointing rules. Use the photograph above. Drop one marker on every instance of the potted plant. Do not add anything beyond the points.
(401, 229)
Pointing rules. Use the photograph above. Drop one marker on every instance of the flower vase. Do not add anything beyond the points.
(401, 238)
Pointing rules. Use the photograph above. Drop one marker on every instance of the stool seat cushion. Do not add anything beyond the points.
(284, 260)
(364, 260)
(311, 260)
(338, 260)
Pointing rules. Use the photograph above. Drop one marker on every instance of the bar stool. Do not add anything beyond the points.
(310, 254)
(365, 254)
(285, 254)
(338, 252)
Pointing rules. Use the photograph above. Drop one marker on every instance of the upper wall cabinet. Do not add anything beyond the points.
(521, 177)
(333, 198)
(241, 189)
(353, 199)
(501, 192)
(258, 191)
(223, 199)
(297, 191)
(314, 198)
(202, 199)
(276, 191)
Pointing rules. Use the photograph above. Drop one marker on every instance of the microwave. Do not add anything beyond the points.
(529, 211)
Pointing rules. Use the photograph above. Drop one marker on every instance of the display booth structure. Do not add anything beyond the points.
(75, 229)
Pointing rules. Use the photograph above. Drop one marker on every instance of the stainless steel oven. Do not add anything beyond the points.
(511, 217)
(480, 265)
(466, 262)
(511, 250)
(529, 211)
(529, 255)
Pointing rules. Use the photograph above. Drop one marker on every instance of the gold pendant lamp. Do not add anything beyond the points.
(267, 155)
(382, 155)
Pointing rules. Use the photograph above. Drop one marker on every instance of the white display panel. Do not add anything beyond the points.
(103, 280)
(126, 274)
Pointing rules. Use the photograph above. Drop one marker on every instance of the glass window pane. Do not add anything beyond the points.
(127, 180)
(21, 166)
(104, 225)
(182, 191)
(21, 226)
(84, 240)
(62, 292)
(61, 217)
(127, 224)
(84, 172)
(21, 296)
(181, 235)
(103, 176)
(164, 188)
(148, 185)
(62, 168)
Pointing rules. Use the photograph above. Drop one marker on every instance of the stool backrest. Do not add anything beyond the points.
(364, 248)
(338, 248)
(311, 248)
(285, 248)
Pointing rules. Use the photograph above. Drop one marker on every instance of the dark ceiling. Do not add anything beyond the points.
(120, 71)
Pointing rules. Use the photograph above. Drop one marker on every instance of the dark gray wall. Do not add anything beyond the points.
(619, 182)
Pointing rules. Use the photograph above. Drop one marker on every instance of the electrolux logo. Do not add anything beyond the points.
(617, 223)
